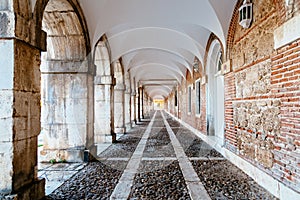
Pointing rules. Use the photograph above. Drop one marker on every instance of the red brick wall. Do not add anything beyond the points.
(285, 82)
(230, 129)
(262, 93)
(275, 151)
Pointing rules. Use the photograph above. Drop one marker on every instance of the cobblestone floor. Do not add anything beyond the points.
(159, 159)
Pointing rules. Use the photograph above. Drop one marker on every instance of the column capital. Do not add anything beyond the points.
(120, 87)
(104, 80)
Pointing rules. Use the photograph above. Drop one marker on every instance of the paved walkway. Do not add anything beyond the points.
(159, 159)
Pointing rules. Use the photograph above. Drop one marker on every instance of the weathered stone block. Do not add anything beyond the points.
(52, 66)
(75, 86)
(76, 111)
(6, 5)
(54, 136)
(26, 71)
(287, 32)
(22, 23)
(6, 128)
(70, 155)
(52, 86)
(7, 24)
(254, 81)
(24, 169)
(6, 64)
(76, 135)
(53, 111)
(103, 80)
(6, 103)
(265, 157)
(6, 161)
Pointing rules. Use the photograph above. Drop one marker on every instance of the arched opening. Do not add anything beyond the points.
(215, 92)
(104, 96)
(65, 82)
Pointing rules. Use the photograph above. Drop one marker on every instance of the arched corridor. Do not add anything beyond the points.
(153, 99)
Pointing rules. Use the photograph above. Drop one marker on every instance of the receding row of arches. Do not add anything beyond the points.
(88, 99)
(79, 89)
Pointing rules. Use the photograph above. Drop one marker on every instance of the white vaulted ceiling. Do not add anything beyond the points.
(157, 39)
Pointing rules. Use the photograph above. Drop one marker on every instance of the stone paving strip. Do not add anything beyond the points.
(194, 185)
(159, 158)
(221, 179)
(123, 188)
(64, 180)
(206, 158)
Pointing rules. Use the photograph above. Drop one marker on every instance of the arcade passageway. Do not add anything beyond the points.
(160, 159)
(138, 99)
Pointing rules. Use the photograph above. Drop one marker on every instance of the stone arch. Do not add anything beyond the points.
(38, 15)
(65, 82)
(103, 95)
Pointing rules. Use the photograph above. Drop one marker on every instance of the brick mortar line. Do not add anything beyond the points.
(123, 188)
(195, 187)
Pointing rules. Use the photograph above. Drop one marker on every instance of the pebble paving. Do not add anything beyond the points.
(96, 181)
(164, 181)
(159, 144)
(223, 180)
(159, 175)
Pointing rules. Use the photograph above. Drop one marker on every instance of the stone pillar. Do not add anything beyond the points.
(119, 111)
(133, 107)
(142, 103)
(104, 123)
(119, 90)
(103, 98)
(139, 105)
(64, 96)
(127, 105)
(19, 107)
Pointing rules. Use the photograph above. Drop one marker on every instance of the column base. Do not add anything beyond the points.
(62, 155)
(120, 130)
(128, 126)
(36, 190)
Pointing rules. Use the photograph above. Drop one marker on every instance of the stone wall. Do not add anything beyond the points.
(254, 81)
(263, 103)
(258, 125)
(196, 120)
(262, 91)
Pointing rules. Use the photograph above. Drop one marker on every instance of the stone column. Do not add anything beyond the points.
(119, 110)
(103, 127)
(139, 109)
(64, 96)
(128, 125)
(142, 103)
(103, 98)
(119, 90)
(133, 107)
(19, 106)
